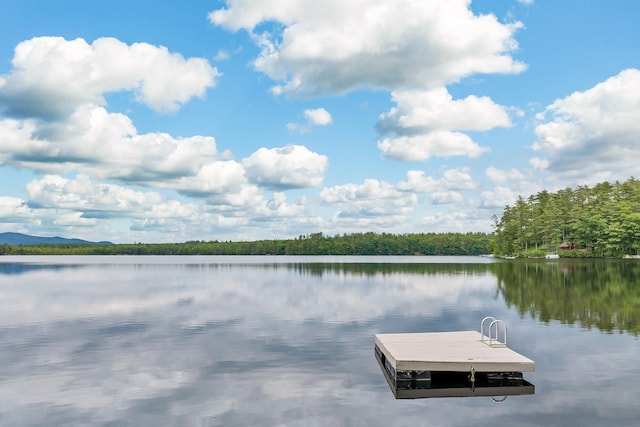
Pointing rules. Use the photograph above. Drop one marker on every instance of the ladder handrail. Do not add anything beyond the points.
(498, 322)
(482, 326)
(490, 335)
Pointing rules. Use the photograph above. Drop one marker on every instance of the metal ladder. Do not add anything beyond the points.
(493, 335)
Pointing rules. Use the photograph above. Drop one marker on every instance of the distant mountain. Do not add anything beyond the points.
(15, 239)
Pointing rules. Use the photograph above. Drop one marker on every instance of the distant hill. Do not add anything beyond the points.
(14, 239)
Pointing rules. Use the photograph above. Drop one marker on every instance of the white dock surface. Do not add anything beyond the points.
(449, 351)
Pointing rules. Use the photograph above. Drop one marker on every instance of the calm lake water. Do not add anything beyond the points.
(288, 341)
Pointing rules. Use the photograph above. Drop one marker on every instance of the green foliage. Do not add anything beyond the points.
(600, 221)
(312, 244)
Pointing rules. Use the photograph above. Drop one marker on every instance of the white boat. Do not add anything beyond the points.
(552, 256)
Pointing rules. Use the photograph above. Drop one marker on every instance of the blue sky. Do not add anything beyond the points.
(238, 120)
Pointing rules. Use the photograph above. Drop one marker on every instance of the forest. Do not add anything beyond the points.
(311, 244)
(598, 221)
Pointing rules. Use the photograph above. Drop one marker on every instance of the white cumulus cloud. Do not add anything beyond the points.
(452, 179)
(371, 198)
(503, 195)
(336, 46)
(104, 144)
(499, 197)
(52, 76)
(314, 117)
(84, 193)
(318, 117)
(424, 110)
(428, 123)
(85, 201)
(423, 147)
(292, 166)
(13, 209)
(107, 145)
(593, 136)
(499, 175)
(445, 197)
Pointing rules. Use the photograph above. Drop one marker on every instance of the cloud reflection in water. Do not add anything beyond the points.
(238, 344)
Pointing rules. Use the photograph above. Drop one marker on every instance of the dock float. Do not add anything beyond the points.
(452, 362)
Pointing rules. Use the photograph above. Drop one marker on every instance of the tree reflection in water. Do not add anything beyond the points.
(602, 293)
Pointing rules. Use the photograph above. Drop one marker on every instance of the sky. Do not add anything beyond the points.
(171, 121)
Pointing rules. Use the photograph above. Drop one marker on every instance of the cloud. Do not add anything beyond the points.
(278, 205)
(212, 179)
(420, 111)
(592, 136)
(101, 145)
(84, 205)
(96, 145)
(370, 199)
(83, 193)
(314, 117)
(499, 197)
(52, 76)
(455, 220)
(13, 209)
(498, 175)
(427, 123)
(107, 145)
(459, 179)
(538, 164)
(293, 166)
(73, 219)
(502, 195)
(419, 182)
(453, 179)
(104, 144)
(222, 55)
(423, 147)
(318, 117)
(86, 201)
(445, 197)
(86, 198)
(339, 46)
(376, 203)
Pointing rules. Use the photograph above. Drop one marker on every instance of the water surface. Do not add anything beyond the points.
(236, 341)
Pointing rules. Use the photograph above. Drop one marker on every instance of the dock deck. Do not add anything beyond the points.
(446, 352)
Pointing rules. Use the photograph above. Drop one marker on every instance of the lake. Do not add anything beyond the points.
(288, 341)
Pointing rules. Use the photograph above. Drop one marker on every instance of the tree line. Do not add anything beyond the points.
(598, 221)
(311, 244)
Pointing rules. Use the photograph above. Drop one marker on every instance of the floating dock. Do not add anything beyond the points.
(449, 351)
(454, 360)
